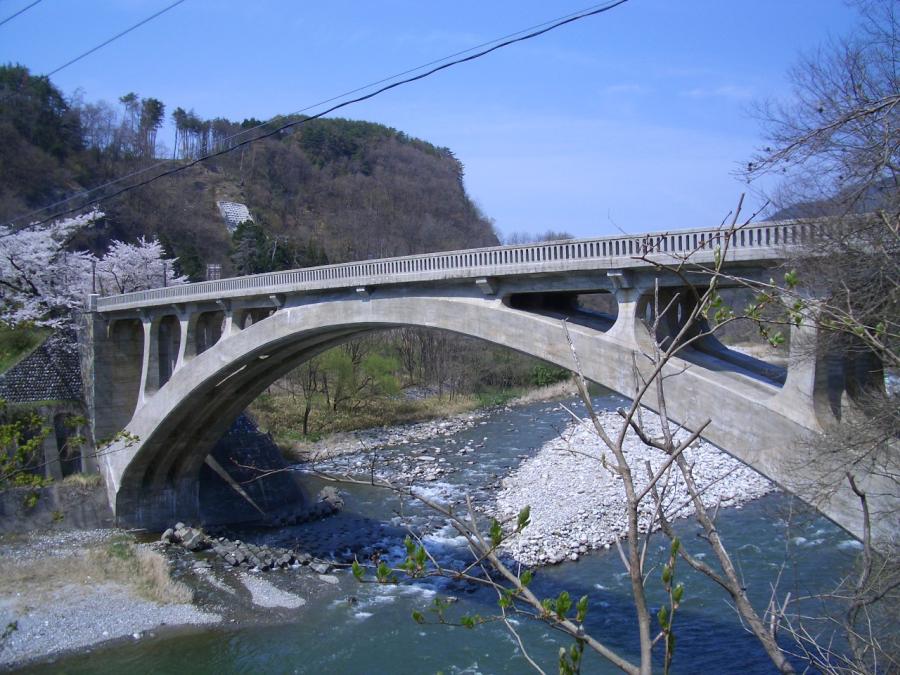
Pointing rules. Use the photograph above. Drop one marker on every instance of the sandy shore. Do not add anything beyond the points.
(578, 505)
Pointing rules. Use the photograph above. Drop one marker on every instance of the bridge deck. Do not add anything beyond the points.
(754, 243)
(175, 365)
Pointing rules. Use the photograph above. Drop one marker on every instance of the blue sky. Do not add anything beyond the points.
(632, 120)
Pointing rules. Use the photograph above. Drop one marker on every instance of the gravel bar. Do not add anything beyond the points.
(79, 616)
(577, 504)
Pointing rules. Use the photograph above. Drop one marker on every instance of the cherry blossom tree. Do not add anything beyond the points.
(134, 267)
(42, 281)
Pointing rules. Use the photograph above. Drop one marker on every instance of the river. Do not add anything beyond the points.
(367, 628)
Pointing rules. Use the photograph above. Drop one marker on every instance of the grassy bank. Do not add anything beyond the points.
(16, 344)
(119, 560)
(281, 414)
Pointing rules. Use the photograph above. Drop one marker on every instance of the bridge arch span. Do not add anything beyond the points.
(154, 480)
(511, 295)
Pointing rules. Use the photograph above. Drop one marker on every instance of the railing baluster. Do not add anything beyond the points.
(758, 236)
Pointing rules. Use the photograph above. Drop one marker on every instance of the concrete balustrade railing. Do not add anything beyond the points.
(774, 235)
(174, 365)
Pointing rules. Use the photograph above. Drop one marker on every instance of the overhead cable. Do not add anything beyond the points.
(21, 11)
(113, 38)
(99, 46)
(504, 42)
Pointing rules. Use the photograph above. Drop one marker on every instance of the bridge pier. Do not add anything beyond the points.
(159, 507)
(149, 357)
(629, 327)
(806, 388)
(187, 334)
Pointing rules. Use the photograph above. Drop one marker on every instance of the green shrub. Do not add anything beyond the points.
(545, 374)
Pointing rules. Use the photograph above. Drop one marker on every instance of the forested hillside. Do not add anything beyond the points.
(327, 190)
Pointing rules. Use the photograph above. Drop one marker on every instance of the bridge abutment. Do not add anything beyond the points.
(160, 507)
(111, 371)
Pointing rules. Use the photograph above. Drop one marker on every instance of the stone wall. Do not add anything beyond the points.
(58, 507)
(52, 372)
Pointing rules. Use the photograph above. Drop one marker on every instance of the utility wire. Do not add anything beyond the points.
(114, 38)
(21, 11)
(86, 194)
(542, 28)
(97, 47)
(444, 58)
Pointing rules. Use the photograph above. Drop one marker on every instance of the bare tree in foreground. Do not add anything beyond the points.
(836, 149)
(646, 491)
(839, 145)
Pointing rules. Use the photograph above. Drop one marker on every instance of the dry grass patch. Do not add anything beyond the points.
(119, 561)
(141, 568)
(84, 480)
(562, 389)
(281, 416)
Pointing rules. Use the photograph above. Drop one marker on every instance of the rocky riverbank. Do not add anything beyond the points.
(577, 504)
(66, 591)
(355, 442)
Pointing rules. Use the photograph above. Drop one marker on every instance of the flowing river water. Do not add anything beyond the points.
(350, 627)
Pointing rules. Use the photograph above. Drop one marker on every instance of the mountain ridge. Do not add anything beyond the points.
(327, 190)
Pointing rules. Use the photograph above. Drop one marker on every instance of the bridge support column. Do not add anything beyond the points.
(187, 335)
(236, 317)
(150, 361)
(228, 325)
(805, 393)
(628, 327)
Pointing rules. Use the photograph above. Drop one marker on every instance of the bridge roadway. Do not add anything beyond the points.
(174, 366)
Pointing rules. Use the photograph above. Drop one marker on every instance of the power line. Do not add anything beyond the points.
(114, 38)
(444, 58)
(97, 47)
(542, 28)
(21, 11)
(86, 194)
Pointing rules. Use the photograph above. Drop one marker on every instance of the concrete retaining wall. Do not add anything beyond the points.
(59, 507)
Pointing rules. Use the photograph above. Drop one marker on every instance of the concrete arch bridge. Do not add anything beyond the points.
(174, 366)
